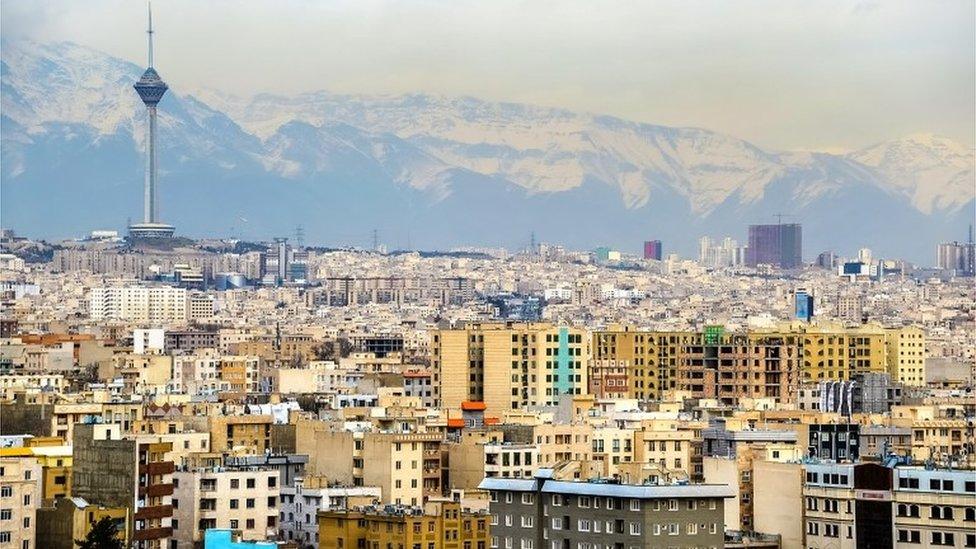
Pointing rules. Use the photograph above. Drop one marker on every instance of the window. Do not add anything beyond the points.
(583, 525)
(557, 523)
(527, 499)
(691, 528)
(250, 483)
(943, 538)
(249, 503)
(909, 536)
(635, 505)
(813, 528)
(584, 502)
(5, 514)
(672, 505)
(943, 513)
(527, 543)
(970, 540)
(635, 528)
(233, 524)
(528, 521)
(234, 504)
(235, 483)
(970, 514)
(4, 537)
(832, 530)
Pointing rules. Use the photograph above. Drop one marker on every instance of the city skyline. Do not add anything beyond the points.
(395, 302)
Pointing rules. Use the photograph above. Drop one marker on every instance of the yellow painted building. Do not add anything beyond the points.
(55, 462)
(906, 355)
(70, 519)
(439, 525)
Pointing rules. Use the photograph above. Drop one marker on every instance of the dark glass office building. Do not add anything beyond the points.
(778, 245)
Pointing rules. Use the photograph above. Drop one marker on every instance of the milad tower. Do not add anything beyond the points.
(151, 88)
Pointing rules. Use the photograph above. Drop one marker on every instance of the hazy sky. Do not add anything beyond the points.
(784, 74)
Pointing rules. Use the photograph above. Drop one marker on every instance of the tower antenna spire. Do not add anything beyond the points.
(149, 33)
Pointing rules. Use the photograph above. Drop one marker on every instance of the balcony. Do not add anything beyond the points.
(152, 533)
(154, 512)
(157, 468)
(156, 490)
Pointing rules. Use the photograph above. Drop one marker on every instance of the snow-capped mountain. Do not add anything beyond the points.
(935, 173)
(446, 170)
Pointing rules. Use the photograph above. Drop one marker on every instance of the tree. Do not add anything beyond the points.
(101, 536)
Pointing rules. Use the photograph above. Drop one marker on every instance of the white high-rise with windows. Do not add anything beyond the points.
(154, 304)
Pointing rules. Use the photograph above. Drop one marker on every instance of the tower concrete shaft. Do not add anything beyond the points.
(150, 199)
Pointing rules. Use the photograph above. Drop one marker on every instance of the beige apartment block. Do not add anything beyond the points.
(244, 500)
(777, 502)
(405, 466)
(611, 447)
(669, 448)
(562, 442)
(250, 432)
(20, 496)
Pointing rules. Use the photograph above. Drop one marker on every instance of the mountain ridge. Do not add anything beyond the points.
(422, 150)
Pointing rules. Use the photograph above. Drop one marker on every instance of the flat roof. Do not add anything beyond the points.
(637, 491)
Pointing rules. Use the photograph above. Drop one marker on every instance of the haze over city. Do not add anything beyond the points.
(487, 275)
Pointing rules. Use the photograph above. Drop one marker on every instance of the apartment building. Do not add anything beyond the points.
(541, 512)
(436, 525)
(152, 304)
(906, 355)
(847, 506)
(70, 519)
(54, 459)
(244, 499)
(870, 505)
(934, 507)
(709, 364)
(251, 432)
(305, 497)
(132, 472)
(611, 447)
(405, 466)
(20, 497)
(508, 366)
(560, 442)
(419, 383)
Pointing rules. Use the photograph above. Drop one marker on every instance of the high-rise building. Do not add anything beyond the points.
(151, 88)
(716, 255)
(508, 366)
(779, 245)
(653, 249)
(958, 257)
(826, 260)
(154, 304)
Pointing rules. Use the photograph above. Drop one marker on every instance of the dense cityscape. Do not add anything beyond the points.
(165, 392)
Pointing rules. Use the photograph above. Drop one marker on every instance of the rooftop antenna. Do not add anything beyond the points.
(149, 32)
